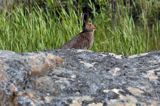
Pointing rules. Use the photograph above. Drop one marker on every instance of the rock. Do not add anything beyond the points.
(79, 78)
(19, 73)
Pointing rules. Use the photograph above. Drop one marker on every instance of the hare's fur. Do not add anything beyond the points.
(83, 40)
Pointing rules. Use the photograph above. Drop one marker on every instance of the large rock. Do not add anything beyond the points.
(84, 78)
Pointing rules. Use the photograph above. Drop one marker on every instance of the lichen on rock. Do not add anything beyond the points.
(79, 78)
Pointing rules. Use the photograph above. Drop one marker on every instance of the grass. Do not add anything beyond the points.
(39, 30)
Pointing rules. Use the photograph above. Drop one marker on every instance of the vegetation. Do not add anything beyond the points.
(134, 29)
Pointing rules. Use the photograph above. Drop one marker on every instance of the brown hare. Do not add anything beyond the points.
(84, 40)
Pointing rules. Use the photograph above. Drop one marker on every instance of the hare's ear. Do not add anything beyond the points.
(85, 17)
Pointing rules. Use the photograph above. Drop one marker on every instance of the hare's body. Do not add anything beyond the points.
(83, 40)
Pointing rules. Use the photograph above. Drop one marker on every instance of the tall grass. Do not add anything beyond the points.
(35, 30)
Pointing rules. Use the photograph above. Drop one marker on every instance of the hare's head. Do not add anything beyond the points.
(88, 27)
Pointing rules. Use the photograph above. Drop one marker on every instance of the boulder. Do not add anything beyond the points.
(73, 77)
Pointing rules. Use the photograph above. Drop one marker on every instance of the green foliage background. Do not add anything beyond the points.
(33, 28)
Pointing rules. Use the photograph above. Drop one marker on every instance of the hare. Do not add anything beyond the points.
(84, 40)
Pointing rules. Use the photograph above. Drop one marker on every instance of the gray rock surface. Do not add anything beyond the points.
(85, 78)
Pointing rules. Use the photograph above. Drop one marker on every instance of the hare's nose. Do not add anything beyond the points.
(94, 27)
